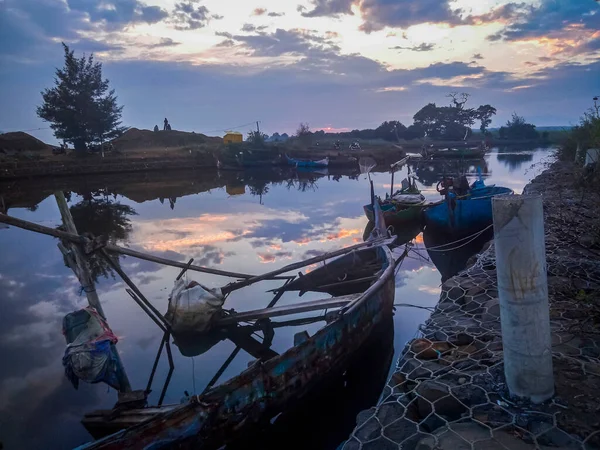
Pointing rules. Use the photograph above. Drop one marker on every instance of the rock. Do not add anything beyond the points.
(435, 395)
(492, 312)
(389, 411)
(399, 430)
(369, 430)
(426, 349)
(448, 437)
(462, 380)
(456, 294)
(587, 240)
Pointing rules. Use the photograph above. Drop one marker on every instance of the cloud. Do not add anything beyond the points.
(189, 16)
(120, 12)
(248, 28)
(571, 26)
(332, 8)
(423, 47)
(259, 11)
(276, 14)
(226, 43)
(164, 42)
(224, 34)
(377, 14)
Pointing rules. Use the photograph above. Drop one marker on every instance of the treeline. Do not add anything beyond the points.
(452, 123)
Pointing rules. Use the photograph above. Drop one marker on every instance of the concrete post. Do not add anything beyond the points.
(592, 156)
(523, 293)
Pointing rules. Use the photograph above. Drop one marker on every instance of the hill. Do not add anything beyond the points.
(135, 138)
(20, 141)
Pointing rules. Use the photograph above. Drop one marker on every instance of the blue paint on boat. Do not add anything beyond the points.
(307, 163)
(457, 215)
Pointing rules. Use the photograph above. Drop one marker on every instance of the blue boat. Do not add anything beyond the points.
(307, 162)
(458, 215)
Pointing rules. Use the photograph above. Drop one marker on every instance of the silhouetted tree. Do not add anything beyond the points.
(484, 114)
(80, 108)
(518, 128)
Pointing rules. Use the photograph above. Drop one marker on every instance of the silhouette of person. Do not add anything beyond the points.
(166, 124)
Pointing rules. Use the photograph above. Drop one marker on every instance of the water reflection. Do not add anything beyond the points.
(213, 217)
(514, 160)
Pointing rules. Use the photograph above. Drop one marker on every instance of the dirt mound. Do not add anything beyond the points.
(19, 141)
(135, 138)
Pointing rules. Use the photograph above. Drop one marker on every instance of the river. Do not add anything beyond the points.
(249, 222)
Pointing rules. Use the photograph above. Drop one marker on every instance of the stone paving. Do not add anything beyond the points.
(448, 390)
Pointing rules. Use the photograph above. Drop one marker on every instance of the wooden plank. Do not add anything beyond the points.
(297, 308)
(30, 226)
(240, 284)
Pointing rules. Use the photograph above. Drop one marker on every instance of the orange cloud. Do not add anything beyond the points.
(187, 242)
(343, 233)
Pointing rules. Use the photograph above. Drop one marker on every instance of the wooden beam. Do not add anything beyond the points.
(72, 237)
(240, 284)
(333, 302)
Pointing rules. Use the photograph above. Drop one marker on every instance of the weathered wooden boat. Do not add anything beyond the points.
(462, 214)
(307, 162)
(365, 277)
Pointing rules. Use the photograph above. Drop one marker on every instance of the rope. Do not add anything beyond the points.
(408, 305)
(471, 238)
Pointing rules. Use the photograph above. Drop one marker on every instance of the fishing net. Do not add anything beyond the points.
(448, 390)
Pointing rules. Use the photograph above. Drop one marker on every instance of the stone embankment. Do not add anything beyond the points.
(448, 390)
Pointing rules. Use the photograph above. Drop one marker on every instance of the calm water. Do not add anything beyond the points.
(249, 222)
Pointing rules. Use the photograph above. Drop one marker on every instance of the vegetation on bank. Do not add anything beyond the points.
(585, 135)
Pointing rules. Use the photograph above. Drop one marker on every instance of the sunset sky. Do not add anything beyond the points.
(211, 65)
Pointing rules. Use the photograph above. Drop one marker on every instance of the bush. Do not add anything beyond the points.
(585, 135)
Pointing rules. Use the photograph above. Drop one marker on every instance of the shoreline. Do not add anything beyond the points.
(32, 165)
(448, 390)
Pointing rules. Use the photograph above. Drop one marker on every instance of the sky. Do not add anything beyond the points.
(214, 65)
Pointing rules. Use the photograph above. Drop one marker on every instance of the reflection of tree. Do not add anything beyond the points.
(514, 160)
(430, 172)
(100, 216)
(309, 184)
(258, 188)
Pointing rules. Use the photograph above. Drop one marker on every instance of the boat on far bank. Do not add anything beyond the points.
(464, 153)
(307, 162)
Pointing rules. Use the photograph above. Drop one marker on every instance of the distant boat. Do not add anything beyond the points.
(465, 153)
(462, 214)
(307, 162)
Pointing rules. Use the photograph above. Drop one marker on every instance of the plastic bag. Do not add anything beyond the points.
(90, 355)
(192, 307)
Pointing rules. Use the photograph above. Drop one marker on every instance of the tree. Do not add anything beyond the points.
(257, 138)
(390, 131)
(518, 128)
(303, 130)
(303, 133)
(484, 114)
(80, 107)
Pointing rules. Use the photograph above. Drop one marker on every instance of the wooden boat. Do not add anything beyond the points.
(365, 275)
(307, 162)
(464, 153)
(403, 208)
(458, 215)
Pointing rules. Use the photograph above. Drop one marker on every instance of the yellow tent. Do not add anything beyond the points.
(233, 136)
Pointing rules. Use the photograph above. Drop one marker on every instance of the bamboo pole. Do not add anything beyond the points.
(76, 239)
(79, 265)
(240, 284)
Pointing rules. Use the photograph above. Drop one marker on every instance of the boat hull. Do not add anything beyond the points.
(456, 216)
(263, 390)
(395, 218)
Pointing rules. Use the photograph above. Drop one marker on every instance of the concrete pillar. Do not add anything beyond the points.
(592, 156)
(523, 293)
